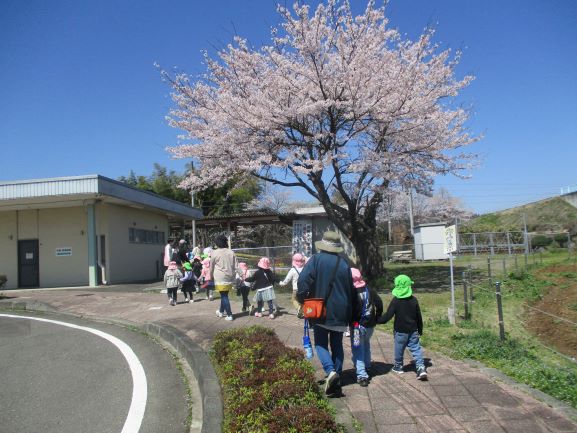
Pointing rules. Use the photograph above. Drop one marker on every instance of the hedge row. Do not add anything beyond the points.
(268, 387)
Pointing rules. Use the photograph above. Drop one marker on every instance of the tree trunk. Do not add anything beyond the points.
(367, 248)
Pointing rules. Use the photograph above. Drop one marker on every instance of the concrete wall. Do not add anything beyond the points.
(9, 248)
(570, 198)
(131, 262)
(54, 228)
(66, 227)
(63, 228)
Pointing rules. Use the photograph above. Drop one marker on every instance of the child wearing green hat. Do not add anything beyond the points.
(408, 325)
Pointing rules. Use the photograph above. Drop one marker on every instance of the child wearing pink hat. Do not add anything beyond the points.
(208, 284)
(369, 309)
(172, 277)
(243, 287)
(298, 263)
(263, 280)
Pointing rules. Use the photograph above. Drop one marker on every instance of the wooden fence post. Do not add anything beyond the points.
(466, 300)
(500, 311)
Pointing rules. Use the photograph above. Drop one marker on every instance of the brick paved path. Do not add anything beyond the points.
(456, 398)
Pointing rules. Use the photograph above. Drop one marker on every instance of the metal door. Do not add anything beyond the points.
(28, 263)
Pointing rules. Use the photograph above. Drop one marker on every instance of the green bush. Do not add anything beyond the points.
(267, 386)
(561, 239)
(540, 241)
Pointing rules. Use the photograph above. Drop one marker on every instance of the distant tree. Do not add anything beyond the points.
(541, 241)
(229, 198)
(339, 105)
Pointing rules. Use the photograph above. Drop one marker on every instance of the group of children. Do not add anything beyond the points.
(404, 307)
(191, 277)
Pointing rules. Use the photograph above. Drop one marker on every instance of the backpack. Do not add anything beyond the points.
(173, 279)
(369, 313)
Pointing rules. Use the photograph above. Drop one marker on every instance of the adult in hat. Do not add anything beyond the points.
(328, 276)
(223, 266)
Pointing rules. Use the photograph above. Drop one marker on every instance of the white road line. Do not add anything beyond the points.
(139, 388)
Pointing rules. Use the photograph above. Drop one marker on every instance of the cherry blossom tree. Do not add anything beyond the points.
(338, 105)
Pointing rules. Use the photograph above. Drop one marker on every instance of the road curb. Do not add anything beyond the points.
(197, 358)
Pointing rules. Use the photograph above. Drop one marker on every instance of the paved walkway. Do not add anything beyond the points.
(457, 397)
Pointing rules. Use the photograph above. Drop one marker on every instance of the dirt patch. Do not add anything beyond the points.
(556, 324)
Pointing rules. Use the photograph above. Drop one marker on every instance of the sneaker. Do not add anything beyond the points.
(332, 383)
(229, 318)
(169, 301)
(347, 333)
(243, 309)
(210, 298)
(421, 373)
(257, 314)
(398, 369)
(363, 381)
(271, 316)
(218, 313)
(186, 300)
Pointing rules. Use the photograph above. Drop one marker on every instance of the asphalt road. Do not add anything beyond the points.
(95, 378)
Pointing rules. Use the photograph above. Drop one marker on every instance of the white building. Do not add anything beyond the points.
(83, 231)
(430, 241)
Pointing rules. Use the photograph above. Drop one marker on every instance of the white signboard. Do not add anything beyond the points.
(450, 239)
(63, 252)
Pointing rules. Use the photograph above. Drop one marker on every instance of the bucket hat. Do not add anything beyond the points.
(331, 243)
(402, 287)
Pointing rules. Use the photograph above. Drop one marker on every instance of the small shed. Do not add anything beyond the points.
(309, 225)
(429, 241)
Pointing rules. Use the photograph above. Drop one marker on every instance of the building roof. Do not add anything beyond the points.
(80, 190)
(442, 223)
(250, 217)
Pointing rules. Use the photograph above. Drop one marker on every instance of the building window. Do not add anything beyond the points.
(141, 236)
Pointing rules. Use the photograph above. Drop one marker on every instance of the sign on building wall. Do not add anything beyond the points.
(303, 237)
(63, 252)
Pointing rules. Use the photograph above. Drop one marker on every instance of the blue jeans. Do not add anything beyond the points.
(323, 337)
(411, 341)
(225, 304)
(270, 304)
(362, 354)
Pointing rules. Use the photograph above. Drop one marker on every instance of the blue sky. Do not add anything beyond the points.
(79, 93)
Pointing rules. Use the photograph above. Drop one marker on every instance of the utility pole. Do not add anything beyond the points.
(411, 210)
(193, 220)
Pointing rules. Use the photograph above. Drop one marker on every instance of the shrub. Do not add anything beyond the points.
(561, 239)
(267, 386)
(540, 241)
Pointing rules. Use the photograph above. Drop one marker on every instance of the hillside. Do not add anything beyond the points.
(550, 215)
